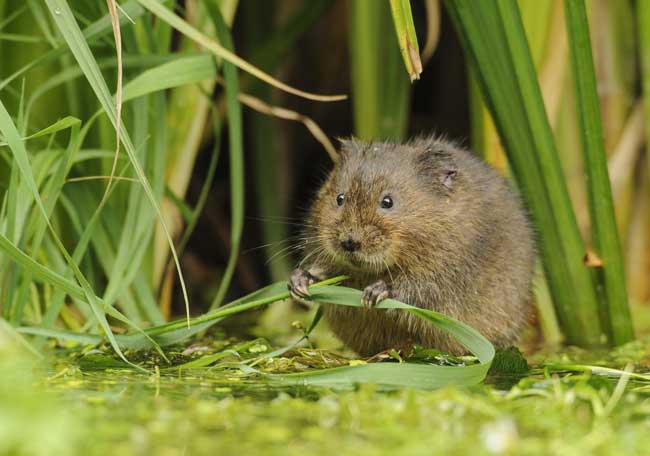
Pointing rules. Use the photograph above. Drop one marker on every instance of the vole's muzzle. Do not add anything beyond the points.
(349, 242)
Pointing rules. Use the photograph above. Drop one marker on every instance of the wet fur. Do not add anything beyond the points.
(457, 241)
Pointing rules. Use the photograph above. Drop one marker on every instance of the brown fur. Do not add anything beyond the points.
(456, 241)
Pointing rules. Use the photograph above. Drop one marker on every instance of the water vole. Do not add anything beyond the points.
(429, 224)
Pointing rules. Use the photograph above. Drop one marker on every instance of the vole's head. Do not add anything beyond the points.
(382, 200)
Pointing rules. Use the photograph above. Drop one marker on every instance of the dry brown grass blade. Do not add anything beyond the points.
(433, 29)
(164, 14)
(282, 113)
(115, 22)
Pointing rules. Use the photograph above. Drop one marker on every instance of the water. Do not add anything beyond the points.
(71, 404)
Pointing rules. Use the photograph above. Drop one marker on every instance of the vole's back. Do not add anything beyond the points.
(455, 239)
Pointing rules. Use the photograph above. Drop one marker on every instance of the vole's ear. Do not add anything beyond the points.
(437, 164)
(448, 178)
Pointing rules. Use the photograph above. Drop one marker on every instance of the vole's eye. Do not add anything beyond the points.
(386, 202)
(340, 198)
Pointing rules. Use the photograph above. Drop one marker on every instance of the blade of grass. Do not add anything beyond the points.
(86, 339)
(52, 192)
(408, 41)
(8, 283)
(385, 375)
(8, 19)
(180, 71)
(117, 34)
(59, 125)
(604, 232)
(73, 270)
(236, 156)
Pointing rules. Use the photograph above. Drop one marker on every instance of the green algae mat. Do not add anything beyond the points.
(84, 400)
(179, 388)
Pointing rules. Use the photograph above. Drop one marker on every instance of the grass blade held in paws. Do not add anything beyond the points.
(385, 375)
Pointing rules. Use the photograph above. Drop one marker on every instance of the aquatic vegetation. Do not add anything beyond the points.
(214, 408)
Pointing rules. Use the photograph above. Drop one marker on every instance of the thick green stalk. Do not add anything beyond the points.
(363, 20)
(380, 88)
(494, 40)
(604, 234)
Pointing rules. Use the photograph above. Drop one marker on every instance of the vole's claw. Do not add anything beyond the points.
(375, 293)
(299, 282)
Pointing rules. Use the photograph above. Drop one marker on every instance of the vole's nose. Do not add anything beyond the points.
(350, 244)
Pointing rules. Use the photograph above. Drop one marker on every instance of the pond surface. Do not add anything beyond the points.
(76, 403)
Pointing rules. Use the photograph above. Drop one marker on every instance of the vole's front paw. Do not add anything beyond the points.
(375, 293)
(298, 284)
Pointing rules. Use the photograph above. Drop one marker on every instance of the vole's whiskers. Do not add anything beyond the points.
(300, 244)
(282, 253)
(271, 218)
(283, 221)
(293, 239)
(263, 246)
(317, 251)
